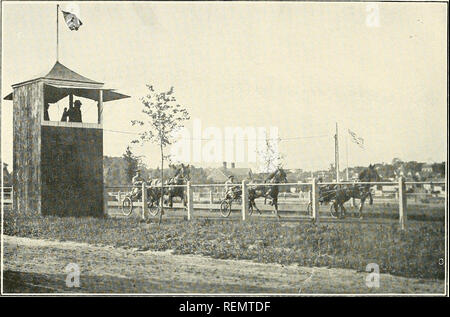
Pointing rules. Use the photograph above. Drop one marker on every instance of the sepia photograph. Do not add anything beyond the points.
(224, 148)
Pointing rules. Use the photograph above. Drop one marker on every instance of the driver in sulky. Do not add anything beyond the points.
(137, 185)
(231, 188)
(229, 183)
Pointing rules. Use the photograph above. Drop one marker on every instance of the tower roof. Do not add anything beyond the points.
(61, 72)
(64, 81)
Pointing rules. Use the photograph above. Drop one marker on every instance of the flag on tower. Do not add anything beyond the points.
(72, 21)
(356, 139)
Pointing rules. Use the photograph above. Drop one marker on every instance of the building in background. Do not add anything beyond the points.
(221, 174)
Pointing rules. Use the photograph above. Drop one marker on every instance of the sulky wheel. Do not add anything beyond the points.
(309, 209)
(153, 210)
(225, 208)
(127, 206)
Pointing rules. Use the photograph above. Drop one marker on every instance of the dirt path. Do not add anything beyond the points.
(32, 265)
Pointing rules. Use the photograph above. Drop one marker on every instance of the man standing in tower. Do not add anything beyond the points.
(75, 114)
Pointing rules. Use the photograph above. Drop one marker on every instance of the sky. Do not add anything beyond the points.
(378, 70)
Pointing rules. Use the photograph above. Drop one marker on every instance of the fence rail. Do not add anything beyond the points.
(7, 195)
(211, 198)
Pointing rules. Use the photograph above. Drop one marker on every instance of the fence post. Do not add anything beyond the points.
(244, 200)
(402, 202)
(352, 201)
(105, 201)
(190, 200)
(119, 197)
(144, 200)
(14, 202)
(315, 201)
(211, 200)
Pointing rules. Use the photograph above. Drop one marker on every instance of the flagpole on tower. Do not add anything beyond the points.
(57, 32)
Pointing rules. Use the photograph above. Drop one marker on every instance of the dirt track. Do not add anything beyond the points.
(38, 266)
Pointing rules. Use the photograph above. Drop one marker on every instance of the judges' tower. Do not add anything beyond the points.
(58, 166)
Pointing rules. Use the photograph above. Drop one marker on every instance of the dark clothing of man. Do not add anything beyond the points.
(75, 115)
(46, 116)
(65, 115)
(75, 112)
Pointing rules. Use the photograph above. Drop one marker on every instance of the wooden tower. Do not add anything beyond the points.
(58, 166)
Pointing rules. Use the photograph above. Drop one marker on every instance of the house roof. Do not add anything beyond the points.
(237, 171)
(240, 173)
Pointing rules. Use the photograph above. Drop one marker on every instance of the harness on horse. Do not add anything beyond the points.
(328, 192)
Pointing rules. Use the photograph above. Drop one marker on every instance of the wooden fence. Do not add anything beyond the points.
(213, 197)
(7, 195)
(313, 194)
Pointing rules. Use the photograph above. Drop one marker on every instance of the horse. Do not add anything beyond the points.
(271, 191)
(181, 175)
(326, 192)
(358, 191)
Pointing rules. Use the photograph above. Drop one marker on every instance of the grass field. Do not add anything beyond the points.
(417, 252)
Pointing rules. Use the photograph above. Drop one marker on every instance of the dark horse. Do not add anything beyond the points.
(268, 191)
(181, 176)
(359, 191)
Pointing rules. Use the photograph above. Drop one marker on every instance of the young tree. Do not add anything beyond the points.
(269, 157)
(131, 163)
(164, 117)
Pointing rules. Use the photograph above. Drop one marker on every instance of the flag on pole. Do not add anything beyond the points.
(72, 21)
(356, 139)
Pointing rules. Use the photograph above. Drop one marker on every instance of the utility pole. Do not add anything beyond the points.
(336, 153)
(346, 154)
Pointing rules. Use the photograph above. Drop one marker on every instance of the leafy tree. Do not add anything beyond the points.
(198, 175)
(413, 167)
(439, 168)
(114, 171)
(164, 117)
(397, 163)
(131, 163)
